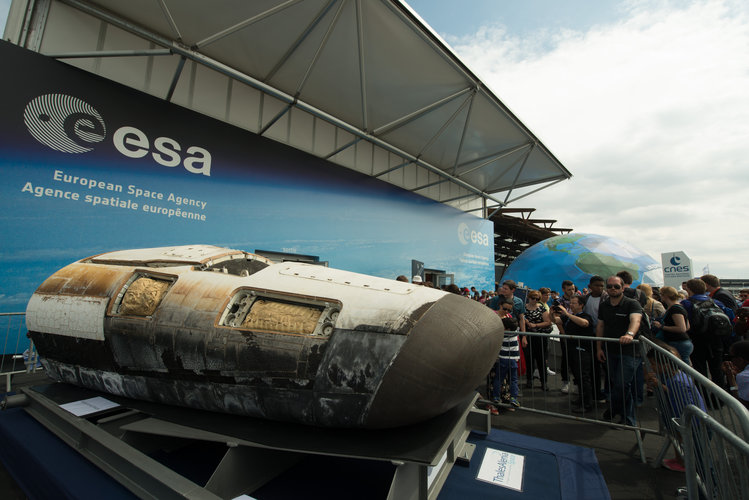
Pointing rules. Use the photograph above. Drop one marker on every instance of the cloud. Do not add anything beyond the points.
(650, 114)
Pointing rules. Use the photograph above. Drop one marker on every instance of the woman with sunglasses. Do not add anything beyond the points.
(537, 320)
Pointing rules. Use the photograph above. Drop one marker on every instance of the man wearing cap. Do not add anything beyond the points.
(416, 280)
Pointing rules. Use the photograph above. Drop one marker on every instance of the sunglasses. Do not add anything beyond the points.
(615, 287)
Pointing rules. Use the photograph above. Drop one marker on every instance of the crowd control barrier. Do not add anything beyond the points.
(716, 459)
(706, 426)
(18, 354)
(595, 391)
(594, 396)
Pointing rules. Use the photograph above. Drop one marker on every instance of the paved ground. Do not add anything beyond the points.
(617, 451)
(618, 456)
(626, 476)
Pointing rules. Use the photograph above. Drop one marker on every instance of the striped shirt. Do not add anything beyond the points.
(510, 347)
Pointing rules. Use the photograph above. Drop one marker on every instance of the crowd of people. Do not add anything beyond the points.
(679, 320)
(701, 323)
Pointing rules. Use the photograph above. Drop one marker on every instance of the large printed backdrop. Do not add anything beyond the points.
(90, 166)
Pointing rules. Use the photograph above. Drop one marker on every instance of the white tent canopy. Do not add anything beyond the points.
(364, 84)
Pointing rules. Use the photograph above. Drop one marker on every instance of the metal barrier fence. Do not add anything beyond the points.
(707, 427)
(716, 459)
(564, 378)
(18, 354)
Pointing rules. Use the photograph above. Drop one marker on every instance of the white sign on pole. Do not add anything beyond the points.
(677, 268)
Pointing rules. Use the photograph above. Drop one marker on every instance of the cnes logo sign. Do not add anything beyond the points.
(71, 125)
(677, 266)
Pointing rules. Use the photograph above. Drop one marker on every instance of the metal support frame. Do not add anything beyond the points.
(110, 53)
(191, 53)
(118, 443)
(243, 24)
(322, 13)
(404, 120)
(493, 158)
(139, 473)
(557, 181)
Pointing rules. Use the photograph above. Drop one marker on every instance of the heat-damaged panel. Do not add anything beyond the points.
(262, 311)
(142, 295)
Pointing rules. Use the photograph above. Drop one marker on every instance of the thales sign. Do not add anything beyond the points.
(677, 268)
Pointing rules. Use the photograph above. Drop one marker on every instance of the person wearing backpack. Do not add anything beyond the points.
(707, 327)
(712, 283)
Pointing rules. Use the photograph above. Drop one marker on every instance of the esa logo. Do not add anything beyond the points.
(466, 236)
(70, 125)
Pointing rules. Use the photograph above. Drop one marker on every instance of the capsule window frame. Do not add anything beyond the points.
(114, 309)
(233, 318)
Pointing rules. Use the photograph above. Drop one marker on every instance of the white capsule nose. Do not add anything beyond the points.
(448, 354)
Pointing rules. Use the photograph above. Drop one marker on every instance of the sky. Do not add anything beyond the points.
(645, 102)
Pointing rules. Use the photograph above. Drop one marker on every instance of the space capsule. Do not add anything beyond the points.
(229, 331)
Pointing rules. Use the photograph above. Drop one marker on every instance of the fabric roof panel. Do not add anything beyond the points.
(257, 49)
(382, 77)
(144, 13)
(400, 81)
(419, 135)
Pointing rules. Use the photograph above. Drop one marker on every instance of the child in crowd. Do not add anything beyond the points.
(507, 364)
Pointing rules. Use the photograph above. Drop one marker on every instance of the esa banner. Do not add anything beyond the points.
(91, 166)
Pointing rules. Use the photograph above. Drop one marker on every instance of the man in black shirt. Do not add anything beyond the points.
(619, 318)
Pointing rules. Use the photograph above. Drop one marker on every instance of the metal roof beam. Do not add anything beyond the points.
(298, 42)
(457, 198)
(393, 169)
(385, 129)
(189, 53)
(432, 184)
(175, 79)
(322, 45)
(464, 132)
(557, 181)
(273, 120)
(342, 148)
(170, 20)
(444, 126)
(362, 72)
(495, 157)
(502, 174)
(243, 24)
(111, 53)
(517, 175)
(517, 210)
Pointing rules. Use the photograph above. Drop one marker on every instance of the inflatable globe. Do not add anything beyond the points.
(577, 257)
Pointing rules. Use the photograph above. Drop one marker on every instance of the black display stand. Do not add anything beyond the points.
(132, 443)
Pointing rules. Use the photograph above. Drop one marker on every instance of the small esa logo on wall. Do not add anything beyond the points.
(71, 125)
(466, 236)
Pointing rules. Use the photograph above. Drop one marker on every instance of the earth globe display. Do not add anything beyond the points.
(577, 257)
